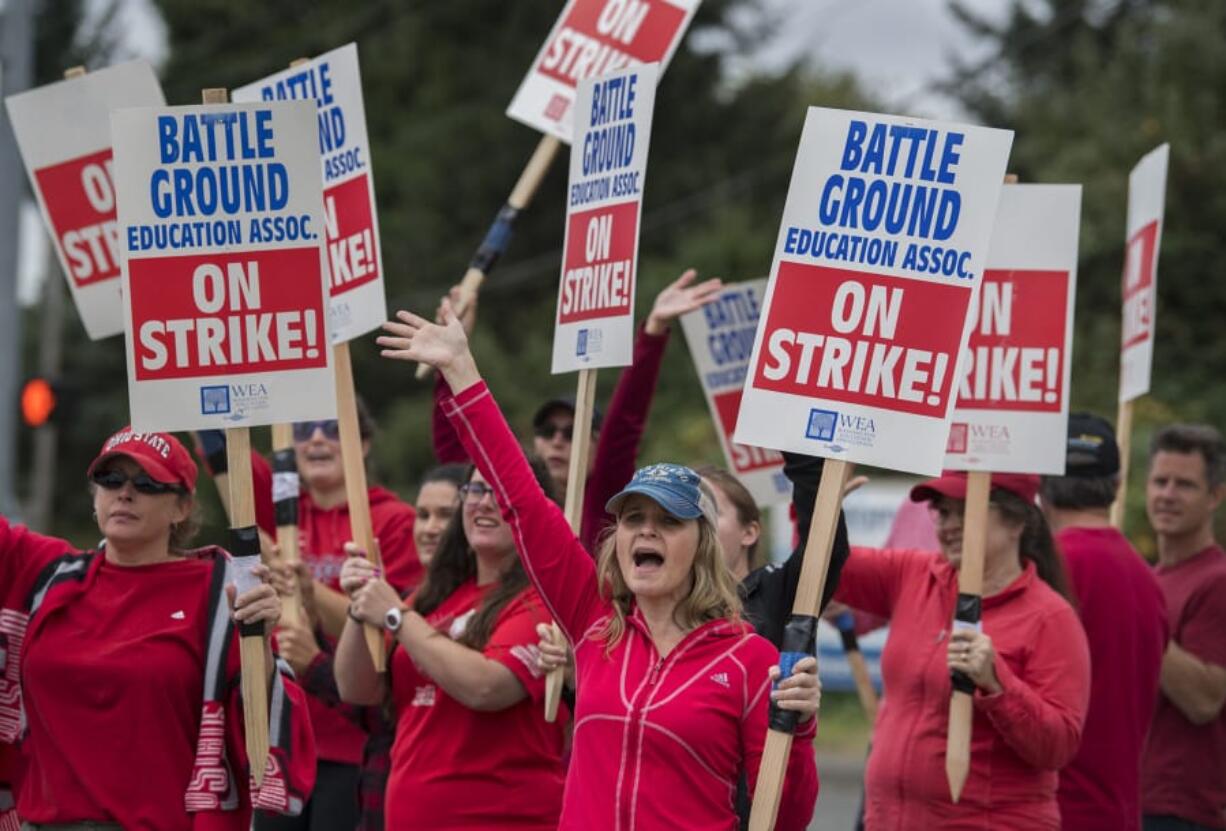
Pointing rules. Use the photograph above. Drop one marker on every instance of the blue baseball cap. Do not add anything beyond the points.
(675, 488)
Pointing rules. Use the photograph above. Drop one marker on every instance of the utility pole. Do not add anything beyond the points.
(16, 74)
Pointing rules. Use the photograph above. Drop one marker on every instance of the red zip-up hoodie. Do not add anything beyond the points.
(659, 743)
(1020, 737)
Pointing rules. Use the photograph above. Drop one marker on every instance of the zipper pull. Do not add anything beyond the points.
(655, 673)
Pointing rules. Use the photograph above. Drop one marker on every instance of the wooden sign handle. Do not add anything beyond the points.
(798, 639)
(253, 648)
(846, 624)
(354, 462)
(970, 594)
(576, 484)
(285, 505)
(499, 234)
(1123, 435)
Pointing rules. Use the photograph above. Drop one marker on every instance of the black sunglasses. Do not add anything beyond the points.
(113, 480)
(547, 431)
(303, 430)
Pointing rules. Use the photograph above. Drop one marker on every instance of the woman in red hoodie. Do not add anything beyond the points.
(672, 686)
(1029, 668)
(128, 663)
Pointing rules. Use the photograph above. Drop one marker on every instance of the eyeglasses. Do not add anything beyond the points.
(474, 492)
(548, 430)
(303, 430)
(113, 480)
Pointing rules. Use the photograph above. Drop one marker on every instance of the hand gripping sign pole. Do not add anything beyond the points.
(798, 640)
(967, 615)
(285, 490)
(245, 548)
(499, 234)
(576, 482)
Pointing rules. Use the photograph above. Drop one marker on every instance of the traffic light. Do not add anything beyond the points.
(39, 398)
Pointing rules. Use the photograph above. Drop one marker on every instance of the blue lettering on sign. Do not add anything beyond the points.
(821, 424)
(214, 400)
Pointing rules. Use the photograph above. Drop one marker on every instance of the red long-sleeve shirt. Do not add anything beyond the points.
(618, 444)
(1020, 737)
(659, 742)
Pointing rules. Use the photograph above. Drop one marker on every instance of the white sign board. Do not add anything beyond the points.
(1146, 205)
(1011, 413)
(356, 298)
(594, 326)
(64, 133)
(221, 225)
(720, 336)
(590, 38)
(884, 238)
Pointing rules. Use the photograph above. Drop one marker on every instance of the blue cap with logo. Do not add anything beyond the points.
(676, 488)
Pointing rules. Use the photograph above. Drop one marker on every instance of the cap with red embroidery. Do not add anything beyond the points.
(160, 455)
(952, 483)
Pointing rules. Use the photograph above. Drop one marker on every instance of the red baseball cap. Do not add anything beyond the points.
(952, 483)
(160, 455)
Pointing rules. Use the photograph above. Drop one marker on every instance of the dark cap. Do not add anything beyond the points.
(1092, 451)
(952, 483)
(675, 488)
(563, 403)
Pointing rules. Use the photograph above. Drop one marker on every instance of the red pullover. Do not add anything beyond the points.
(659, 743)
(1020, 737)
(129, 681)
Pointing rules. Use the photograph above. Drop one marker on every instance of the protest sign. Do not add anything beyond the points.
(608, 164)
(1146, 204)
(590, 38)
(356, 302)
(221, 230)
(1011, 411)
(64, 133)
(883, 241)
(720, 336)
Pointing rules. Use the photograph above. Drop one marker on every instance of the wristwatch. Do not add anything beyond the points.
(393, 619)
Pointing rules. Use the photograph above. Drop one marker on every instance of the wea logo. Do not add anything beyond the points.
(821, 424)
(214, 400)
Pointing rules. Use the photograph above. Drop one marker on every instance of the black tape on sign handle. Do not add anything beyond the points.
(969, 611)
(846, 624)
(245, 542)
(799, 641)
(497, 238)
(285, 487)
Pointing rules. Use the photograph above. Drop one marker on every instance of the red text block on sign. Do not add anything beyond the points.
(1139, 262)
(227, 314)
(598, 273)
(353, 257)
(80, 199)
(859, 338)
(600, 36)
(1015, 353)
(745, 459)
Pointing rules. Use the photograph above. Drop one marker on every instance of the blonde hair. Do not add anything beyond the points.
(713, 593)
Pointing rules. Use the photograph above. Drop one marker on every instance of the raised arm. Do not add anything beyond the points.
(561, 569)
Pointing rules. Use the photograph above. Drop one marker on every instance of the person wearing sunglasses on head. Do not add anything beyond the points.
(471, 749)
(616, 437)
(341, 730)
(127, 659)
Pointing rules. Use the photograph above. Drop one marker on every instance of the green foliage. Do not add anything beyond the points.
(1090, 87)
(437, 78)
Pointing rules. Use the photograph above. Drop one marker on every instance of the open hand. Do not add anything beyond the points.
(679, 297)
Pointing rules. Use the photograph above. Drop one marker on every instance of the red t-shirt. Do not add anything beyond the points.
(1184, 770)
(1124, 615)
(457, 769)
(115, 720)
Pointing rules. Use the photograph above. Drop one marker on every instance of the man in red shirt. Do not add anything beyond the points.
(1183, 776)
(1124, 615)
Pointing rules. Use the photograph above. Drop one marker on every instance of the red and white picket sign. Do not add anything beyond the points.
(1011, 413)
(64, 133)
(590, 38)
(221, 218)
(356, 301)
(1146, 206)
(720, 336)
(608, 166)
(884, 237)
